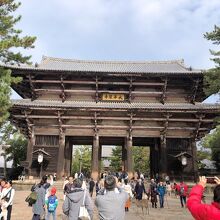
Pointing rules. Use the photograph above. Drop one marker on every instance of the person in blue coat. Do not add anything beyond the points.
(161, 190)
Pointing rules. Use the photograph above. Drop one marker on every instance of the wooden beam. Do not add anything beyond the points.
(198, 128)
(95, 123)
(93, 109)
(80, 82)
(164, 90)
(163, 156)
(166, 124)
(130, 90)
(60, 124)
(118, 127)
(130, 125)
(33, 93)
(86, 91)
(96, 89)
(95, 157)
(62, 95)
(129, 161)
(29, 126)
(194, 90)
(114, 118)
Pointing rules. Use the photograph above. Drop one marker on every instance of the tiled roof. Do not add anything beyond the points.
(114, 105)
(57, 64)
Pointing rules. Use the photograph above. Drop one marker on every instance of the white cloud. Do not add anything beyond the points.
(122, 29)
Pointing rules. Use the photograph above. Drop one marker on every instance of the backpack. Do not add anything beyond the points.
(182, 190)
(52, 203)
(32, 198)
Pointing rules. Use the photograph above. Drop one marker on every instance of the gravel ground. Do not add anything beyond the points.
(171, 211)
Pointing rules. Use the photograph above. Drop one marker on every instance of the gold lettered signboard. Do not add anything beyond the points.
(113, 97)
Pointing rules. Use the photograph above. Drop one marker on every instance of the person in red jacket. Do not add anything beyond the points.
(204, 211)
(182, 190)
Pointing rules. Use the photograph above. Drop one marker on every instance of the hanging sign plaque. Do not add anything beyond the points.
(113, 97)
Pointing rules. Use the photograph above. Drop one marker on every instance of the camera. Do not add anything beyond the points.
(211, 180)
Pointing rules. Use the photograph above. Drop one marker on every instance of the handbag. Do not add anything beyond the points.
(31, 198)
(83, 213)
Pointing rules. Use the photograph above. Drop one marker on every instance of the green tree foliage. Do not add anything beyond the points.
(5, 91)
(212, 141)
(212, 77)
(11, 42)
(18, 149)
(116, 159)
(18, 144)
(82, 154)
(202, 154)
(141, 158)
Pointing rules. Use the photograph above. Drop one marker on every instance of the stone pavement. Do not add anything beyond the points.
(171, 211)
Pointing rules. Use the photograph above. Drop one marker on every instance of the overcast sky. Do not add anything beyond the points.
(121, 29)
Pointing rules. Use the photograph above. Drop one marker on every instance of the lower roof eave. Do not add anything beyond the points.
(116, 106)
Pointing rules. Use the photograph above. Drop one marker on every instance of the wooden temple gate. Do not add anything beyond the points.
(156, 104)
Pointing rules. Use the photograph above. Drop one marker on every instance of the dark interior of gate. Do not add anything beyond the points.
(174, 147)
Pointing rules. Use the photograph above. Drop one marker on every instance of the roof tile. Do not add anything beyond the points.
(115, 105)
(57, 64)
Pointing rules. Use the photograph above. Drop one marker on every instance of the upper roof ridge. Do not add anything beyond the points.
(46, 59)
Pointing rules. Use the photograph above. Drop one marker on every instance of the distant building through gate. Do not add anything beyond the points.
(74, 102)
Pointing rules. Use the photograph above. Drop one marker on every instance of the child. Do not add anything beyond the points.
(52, 203)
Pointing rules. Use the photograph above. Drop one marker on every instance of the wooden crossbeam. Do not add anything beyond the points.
(33, 93)
(62, 95)
(60, 124)
(164, 90)
(130, 90)
(199, 123)
(29, 125)
(81, 82)
(95, 123)
(86, 91)
(166, 124)
(127, 127)
(194, 91)
(96, 89)
(130, 125)
(114, 118)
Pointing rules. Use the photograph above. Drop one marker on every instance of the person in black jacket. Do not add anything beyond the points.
(139, 189)
(153, 193)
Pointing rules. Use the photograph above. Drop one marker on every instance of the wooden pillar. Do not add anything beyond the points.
(194, 159)
(100, 158)
(60, 162)
(95, 157)
(163, 157)
(124, 158)
(68, 158)
(30, 148)
(129, 157)
(31, 142)
(154, 156)
(152, 168)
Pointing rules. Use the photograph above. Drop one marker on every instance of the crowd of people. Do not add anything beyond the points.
(112, 196)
